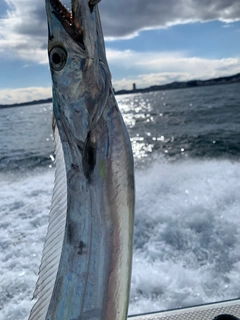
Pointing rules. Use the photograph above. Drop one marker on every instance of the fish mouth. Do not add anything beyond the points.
(62, 12)
(70, 18)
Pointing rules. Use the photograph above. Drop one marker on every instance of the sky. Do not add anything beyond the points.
(147, 42)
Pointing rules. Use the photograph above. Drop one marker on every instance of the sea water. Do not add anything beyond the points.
(186, 146)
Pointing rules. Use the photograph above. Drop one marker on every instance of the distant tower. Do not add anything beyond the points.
(134, 86)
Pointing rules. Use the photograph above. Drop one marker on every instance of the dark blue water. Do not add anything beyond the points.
(196, 123)
(26, 139)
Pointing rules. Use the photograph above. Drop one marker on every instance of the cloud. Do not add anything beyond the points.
(161, 68)
(123, 18)
(23, 29)
(23, 34)
(153, 68)
(9, 96)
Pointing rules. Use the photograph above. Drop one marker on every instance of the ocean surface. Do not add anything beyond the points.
(186, 146)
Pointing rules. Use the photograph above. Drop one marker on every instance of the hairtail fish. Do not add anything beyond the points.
(86, 263)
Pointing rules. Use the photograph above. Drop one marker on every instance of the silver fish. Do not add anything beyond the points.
(86, 264)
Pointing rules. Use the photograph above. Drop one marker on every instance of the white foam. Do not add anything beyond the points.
(187, 236)
(24, 208)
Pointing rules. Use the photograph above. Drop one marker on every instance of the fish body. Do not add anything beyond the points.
(86, 264)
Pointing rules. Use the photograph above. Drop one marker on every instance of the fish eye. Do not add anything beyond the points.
(58, 58)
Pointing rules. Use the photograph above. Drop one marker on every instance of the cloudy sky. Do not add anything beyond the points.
(148, 42)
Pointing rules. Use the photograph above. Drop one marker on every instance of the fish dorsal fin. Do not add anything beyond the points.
(54, 239)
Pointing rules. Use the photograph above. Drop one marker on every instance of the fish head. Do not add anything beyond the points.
(79, 69)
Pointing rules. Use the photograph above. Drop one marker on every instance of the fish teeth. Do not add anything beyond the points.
(62, 10)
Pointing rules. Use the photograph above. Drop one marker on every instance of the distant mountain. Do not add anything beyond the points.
(170, 86)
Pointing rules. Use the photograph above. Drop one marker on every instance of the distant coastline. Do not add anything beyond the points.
(170, 86)
(30, 103)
